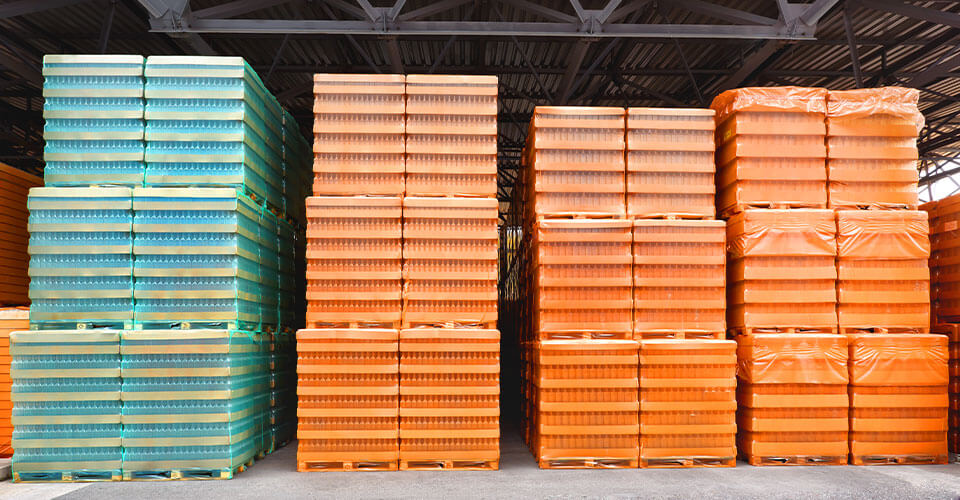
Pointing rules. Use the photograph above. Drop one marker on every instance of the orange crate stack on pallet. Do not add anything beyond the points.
(449, 399)
(898, 399)
(883, 276)
(792, 399)
(945, 260)
(952, 331)
(771, 148)
(781, 271)
(451, 127)
(450, 261)
(358, 134)
(872, 147)
(688, 403)
(670, 167)
(936, 235)
(348, 392)
(679, 279)
(14, 258)
(585, 404)
(11, 319)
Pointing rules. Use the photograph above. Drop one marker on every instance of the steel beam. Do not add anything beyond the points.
(752, 64)
(914, 11)
(816, 11)
(574, 61)
(939, 69)
(27, 7)
(237, 8)
(546, 12)
(713, 10)
(852, 46)
(433, 8)
(107, 26)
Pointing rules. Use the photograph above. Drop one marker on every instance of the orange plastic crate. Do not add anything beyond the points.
(353, 259)
(450, 261)
(576, 159)
(582, 278)
(359, 134)
(952, 331)
(945, 259)
(670, 165)
(770, 148)
(348, 393)
(883, 278)
(688, 402)
(11, 319)
(898, 398)
(449, 398)
(14, 258)
(872, 147)
(585, 403)
(679, 276)
(781, 269)
(451, 127)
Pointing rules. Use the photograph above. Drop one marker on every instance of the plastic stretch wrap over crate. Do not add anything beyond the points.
(582, 283)
(81, 259)
(195, 402)
(771, 148)
(952, 331)
(451, 135)
(944, 225)
(15, 184)
(11, 319)
(93, 119)
(450, 261)
(201, 258)
(792, 399)
(211, 122)
(585, 406)
(353, 260)
(883, 278)
(898, 399)
(872, 147)
(348, 389)
(688, 403)
(781, 269)
(358, 134)
(670, 162)
(575, 162)
(449, 398)
(66, 405)
(679, 278)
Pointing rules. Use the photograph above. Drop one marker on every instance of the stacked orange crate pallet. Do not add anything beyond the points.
(11, 319)
(898, 399)
(687, 370)
(348, 393)
(936, 235)
(945, 260)
(952, 331)
(581, 378)
(770, 148)
(792, 399)
(14, 259)
(450, 348)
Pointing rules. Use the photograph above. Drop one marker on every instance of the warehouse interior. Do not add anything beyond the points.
(620, 53)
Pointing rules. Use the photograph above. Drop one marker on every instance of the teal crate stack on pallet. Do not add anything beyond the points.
(191, 257)
(93, 120)
(195, 402)
(81, 260)
(66, 413)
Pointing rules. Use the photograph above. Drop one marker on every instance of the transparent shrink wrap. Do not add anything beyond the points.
(875, 234)
(770, 100)
(792, 359)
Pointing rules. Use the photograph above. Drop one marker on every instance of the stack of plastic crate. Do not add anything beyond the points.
(944, 225)
(952, 331)
(11, 319)
(898, 399)
(198, 259)
(195, 402)
(688, 403)
(792, 399)
(883, 279)
(451, 128)
(670, 167)
(66, 405)
(358, 146)
(348, 393)
(93, 120)
(81, 260)
(585, 403)
(781, 274)
(872, 147)
(449, 399)
(15, 184)
(211, 122)
(770, 148)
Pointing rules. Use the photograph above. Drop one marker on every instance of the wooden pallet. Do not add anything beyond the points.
(671, 216)
(796, 460)
(191, 474)
(577, 216)
(195, 325)
(678, 334)
(344, 466)
(726, 213)
(875, 206)
(83, 476)
(880, 329)
(353, 325)
(586, 335)
(751, 330)
(686, 463)
(83, 325)
(898, 459)
(486, 325)
(589, 463)
(449, 464)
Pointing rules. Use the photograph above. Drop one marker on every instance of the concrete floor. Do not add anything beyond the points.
(518, 477)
